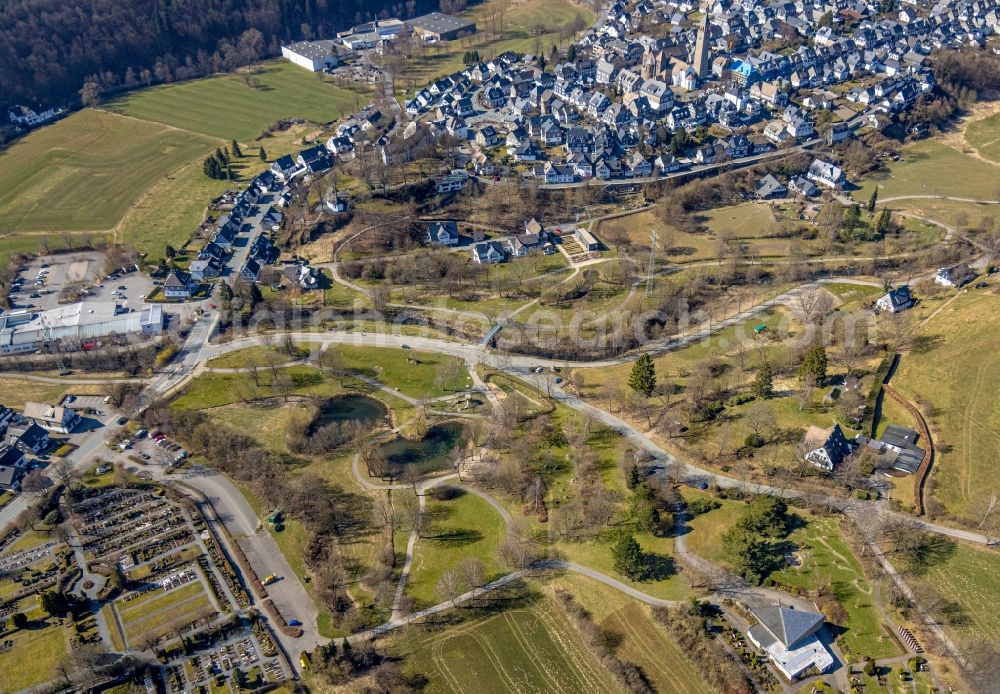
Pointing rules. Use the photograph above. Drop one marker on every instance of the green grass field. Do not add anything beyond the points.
(33, 657)
(532, 26)
(390, 367)
(85, 171)
(463, 527)
(827, 562)
(932, 168)
(156, 613)
(971, 578)
(532, 649)
(642, 641)
(959, 377)
(597, 555)
(984, 135)
(225, 107)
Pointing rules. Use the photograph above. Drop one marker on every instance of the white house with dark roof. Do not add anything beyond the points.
(826, 448)
(789, 637)
(826, 174)
(442, 233)
(177, 285)
(895, 300)
(52, 417)
(488, 253)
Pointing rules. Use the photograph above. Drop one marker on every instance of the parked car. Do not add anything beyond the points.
(294, 623)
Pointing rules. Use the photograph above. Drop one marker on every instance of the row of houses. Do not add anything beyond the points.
(624, 76)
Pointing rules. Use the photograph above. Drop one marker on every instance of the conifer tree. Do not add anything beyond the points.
(643, 376)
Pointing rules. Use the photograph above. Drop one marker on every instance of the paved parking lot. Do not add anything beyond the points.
(47, 276)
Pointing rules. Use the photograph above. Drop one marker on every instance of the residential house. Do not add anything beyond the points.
(826, 174)
(56, 418)
(284, 167)
(27, 438)
(826, 448)
(178, 285)
(955, 276)
(895, 300)
(315, 159)
(803, 186)
(789, 637)
(770, 187)
(488, 253)
(487, 137)
(250, 271)
(12, 469)
(204, 270)
(442, 233)
(303, 275)
(552, 174)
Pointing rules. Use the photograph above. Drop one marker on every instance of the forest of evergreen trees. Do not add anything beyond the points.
(50, 48)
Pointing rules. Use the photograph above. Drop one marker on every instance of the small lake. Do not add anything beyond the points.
(428, 454)
(350, 408)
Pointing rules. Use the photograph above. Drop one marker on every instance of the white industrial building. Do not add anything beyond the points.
(312, 55)
(74, 324)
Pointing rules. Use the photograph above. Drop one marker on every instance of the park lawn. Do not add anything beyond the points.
(596, 554)
(267, 425)
(642, 641)
(748, 220)
(259, 354)
(520, 22)
(851, 295)
(959, 376)
(389, 366)
(676, 245)
(984, 135)
(224, 107)
(828, 562)
(218, 389)
(466, 526)
(932, 168)
(971, 578)
(83, 173)
(31, 660)
(522, 649)
(706, 529)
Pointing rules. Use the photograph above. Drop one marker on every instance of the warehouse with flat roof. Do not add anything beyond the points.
(438, 26)
(312, 55)
(75, 324)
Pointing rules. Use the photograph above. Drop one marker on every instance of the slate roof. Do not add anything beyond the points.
(787, 625)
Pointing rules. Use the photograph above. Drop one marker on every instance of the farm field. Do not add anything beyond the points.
(466, 526)
(643, 642)
(529, 649)
(82, 173)
(971, 579)
(958, 377)
(224, 107)
(33, 656)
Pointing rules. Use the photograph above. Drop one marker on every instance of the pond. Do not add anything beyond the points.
(428, 454)
(350, 408)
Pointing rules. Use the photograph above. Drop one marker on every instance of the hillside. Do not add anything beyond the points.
(48, 48)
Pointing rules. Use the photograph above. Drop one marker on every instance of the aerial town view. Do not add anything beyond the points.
(499, 346)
